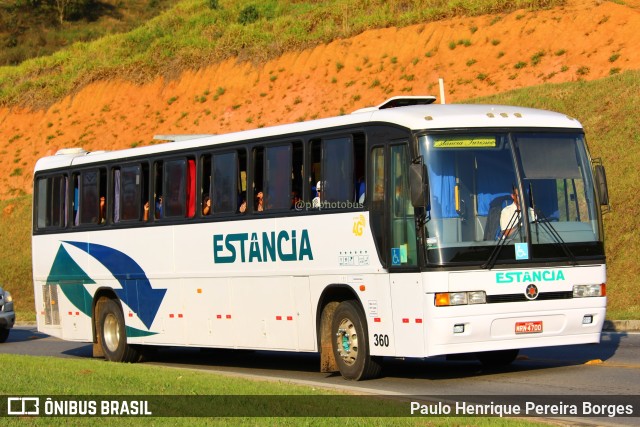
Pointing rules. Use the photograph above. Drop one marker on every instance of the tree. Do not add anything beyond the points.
(61, 7)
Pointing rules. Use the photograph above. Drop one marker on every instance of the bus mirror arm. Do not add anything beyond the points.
(419, 185)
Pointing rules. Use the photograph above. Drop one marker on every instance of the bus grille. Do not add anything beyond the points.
(51, 306)
(544, 296)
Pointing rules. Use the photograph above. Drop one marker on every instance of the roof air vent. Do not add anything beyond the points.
(399, 101)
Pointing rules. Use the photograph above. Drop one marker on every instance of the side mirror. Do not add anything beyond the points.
(419, 184)
(601, 185)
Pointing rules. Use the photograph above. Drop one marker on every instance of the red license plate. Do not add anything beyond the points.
(529, 327)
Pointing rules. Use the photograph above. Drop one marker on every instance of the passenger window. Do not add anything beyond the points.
(225, 181)
(337, 172)
(129, 182)
(337, 168)
(51, 202)
(274, 176)
(277, 189)
(90, 197)
(205, 189)
(297, 174)
(178, 184)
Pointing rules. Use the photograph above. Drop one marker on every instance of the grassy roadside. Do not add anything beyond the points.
(99, 378)
(194, 34)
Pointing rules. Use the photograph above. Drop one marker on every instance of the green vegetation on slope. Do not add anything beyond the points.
(607, 109)
(33, 28)
(196, 33)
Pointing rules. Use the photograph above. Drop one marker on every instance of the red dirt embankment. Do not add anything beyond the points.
(586, 40)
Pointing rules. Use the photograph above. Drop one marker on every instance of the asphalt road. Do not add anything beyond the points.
(607, 369)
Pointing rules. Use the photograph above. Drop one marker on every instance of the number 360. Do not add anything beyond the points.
(380, 340)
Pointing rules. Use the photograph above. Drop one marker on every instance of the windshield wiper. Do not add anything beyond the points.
(546, 224)
(540, 218)
(502, 241)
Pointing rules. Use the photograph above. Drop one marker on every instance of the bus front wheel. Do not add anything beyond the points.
(351, 343)
(112, 334)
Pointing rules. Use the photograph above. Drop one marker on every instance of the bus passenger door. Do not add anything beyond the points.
(405, 280)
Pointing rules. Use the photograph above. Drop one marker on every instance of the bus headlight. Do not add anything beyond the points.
(446, 299)
(583, 291)
(477, 297)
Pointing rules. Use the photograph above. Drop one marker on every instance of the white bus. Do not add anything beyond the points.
(369, 235)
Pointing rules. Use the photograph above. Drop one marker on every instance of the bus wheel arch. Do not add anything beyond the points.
(99, 298)
(331, 297)
(110, 331)
(343, 335)
(351, 342)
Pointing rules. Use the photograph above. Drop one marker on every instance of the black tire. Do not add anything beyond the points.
(4, 334)
(498, 358)
(350, 342)
(112, 333)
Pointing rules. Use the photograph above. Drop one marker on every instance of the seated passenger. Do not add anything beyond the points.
(158, 212)
(206, 205)
(242, 202)
(317, 201)
(102, 215)
(259, 202)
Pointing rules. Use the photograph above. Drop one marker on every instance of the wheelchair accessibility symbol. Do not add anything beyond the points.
(395, 256)
(522, 251)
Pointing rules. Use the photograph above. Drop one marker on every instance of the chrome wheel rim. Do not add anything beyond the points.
(111, 332)
(347, 340)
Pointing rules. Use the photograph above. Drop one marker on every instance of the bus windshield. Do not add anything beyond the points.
(476, 198)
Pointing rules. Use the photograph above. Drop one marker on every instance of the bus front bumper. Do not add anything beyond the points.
(514, 330)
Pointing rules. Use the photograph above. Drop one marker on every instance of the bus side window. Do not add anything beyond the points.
(297, 174)
(224, 182)
(277, 183)
(51, 202)
(242, 181)
(337, 181)
(92, 187)
(258, 180)
(178, 196)
(129, 182)
(206, 191)
(359, 152)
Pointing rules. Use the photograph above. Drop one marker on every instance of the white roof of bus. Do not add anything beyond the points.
(415, 117)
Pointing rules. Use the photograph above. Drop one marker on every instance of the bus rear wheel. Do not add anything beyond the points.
(351, 343)
(498, 358)
(112, 333)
